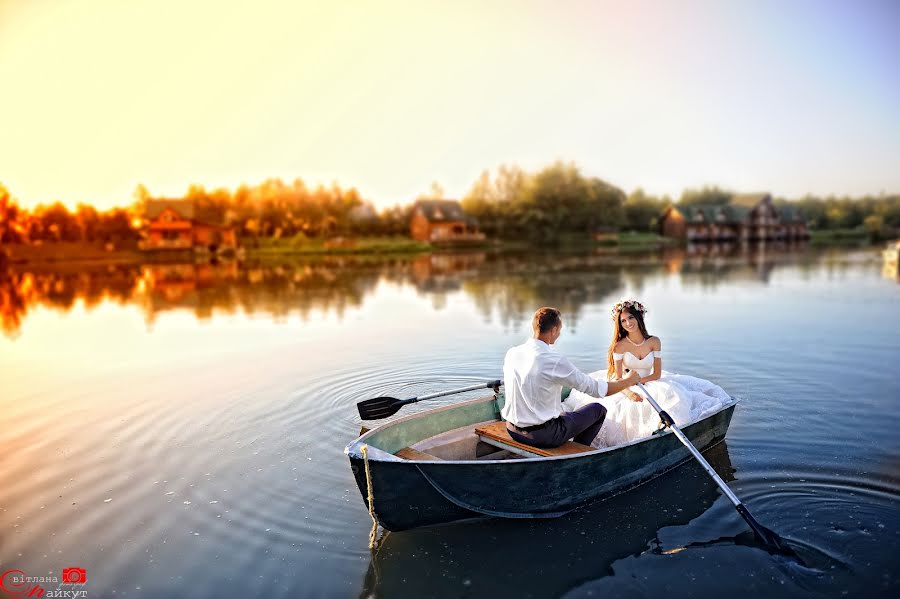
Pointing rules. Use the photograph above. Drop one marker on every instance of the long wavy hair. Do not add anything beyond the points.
(619, 333)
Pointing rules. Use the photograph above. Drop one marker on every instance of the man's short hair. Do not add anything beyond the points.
(545, 319)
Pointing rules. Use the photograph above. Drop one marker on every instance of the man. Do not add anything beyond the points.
(534, 375)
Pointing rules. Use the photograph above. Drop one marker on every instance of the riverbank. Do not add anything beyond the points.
(268, 249)
(633, 240)
(72, 251)
(839, 237)
(262, 250)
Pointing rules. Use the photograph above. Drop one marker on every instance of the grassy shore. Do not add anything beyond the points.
(268, 247)
(635, 239)
(839, 236)
(263, 249)
(73, 251)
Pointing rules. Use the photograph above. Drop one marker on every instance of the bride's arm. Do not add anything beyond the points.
(656, 345)
(618, 377)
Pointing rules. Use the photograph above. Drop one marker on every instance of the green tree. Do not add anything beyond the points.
(707, 195)
(395, 220)
(559, 200)
(813, 209)
(874, 224)
(495, 202)
(642, 211)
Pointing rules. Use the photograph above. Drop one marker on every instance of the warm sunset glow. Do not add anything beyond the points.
(102, 95)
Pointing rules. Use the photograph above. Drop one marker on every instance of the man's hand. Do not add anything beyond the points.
(633, 378)
(622, 384)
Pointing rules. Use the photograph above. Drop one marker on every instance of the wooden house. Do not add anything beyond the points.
(437, 221)
(174, 225)
(748, 217)
(792, 223)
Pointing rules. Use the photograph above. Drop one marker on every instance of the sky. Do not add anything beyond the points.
(791, 97)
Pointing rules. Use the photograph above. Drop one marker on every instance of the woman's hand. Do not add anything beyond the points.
(632, 395)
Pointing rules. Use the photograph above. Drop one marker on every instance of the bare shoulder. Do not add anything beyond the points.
(655, 343)
(620, 346)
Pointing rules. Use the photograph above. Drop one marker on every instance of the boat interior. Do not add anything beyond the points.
(471, 430)
(482, 441)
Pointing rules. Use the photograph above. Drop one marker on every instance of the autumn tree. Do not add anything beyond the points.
(88, 220)
(435, 192)
(708, 195)
(10, 217)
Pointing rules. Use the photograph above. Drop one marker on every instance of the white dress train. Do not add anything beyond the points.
(686, 399)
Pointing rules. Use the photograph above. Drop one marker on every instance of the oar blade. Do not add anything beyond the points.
(378, 408)
(767, 537)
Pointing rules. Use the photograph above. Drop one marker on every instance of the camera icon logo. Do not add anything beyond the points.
(74, 576)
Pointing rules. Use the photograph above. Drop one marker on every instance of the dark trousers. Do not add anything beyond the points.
(583, 424)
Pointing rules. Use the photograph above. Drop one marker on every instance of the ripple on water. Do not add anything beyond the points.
(229, 474)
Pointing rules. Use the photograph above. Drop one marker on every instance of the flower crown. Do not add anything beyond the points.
(630, 304)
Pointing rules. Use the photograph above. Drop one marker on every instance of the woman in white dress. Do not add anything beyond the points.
(686, 398)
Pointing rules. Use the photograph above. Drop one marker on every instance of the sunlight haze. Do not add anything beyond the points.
(101, 95)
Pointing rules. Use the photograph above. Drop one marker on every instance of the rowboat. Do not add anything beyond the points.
(456, 463)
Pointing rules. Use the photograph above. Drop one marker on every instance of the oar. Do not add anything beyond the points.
(767, 537)
(382, 407)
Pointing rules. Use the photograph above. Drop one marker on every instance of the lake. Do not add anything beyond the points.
(177, 430)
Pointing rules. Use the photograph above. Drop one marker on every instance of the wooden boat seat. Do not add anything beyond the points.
(496, 434)
(408, 453)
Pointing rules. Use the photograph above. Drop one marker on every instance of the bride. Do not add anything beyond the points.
(686, 398)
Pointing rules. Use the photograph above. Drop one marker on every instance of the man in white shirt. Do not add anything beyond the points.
(534, 375)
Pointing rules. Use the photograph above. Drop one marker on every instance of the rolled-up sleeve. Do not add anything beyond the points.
(566, 373)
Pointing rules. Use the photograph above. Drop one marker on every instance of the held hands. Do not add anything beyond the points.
(633, 378)
(621, 385)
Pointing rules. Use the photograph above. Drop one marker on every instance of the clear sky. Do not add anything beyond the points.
(791, 97)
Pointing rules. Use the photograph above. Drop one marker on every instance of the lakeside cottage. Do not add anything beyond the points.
(748, 217)
(442, 221)
(174, 225)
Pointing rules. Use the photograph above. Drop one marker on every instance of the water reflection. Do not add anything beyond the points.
(504, 286)
(274, 290)
(709, 264)
(544, 558)
(21, 291)
(177, 457)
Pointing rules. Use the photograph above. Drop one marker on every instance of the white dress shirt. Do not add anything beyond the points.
(533, 376)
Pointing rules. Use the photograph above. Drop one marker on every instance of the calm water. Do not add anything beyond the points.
(178, 430)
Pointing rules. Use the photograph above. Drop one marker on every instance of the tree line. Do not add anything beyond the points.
(55, 222)
(513, 203)
(271, 209)
(878, 215)
(279, 209)
(510, 203)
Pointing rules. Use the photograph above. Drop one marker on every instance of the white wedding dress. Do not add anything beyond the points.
(686, 399)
